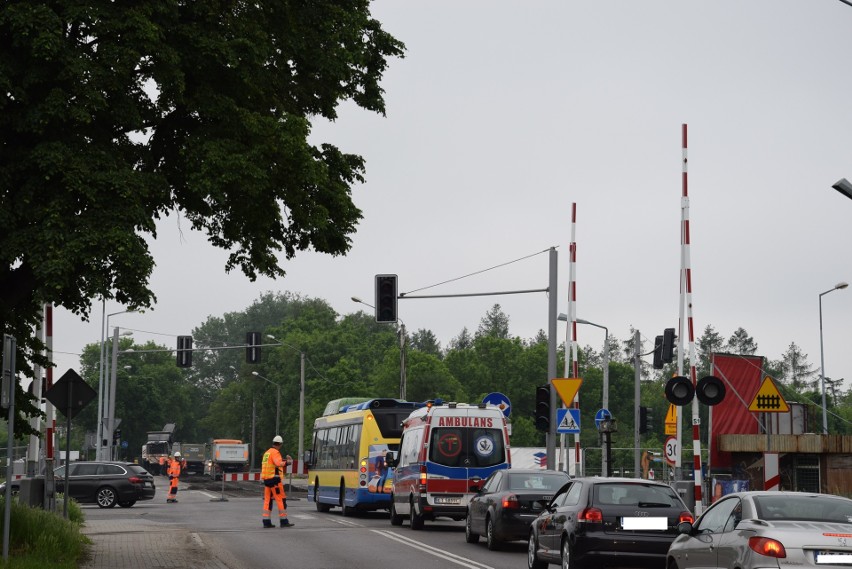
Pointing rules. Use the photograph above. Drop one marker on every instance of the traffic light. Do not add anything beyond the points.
(252, 347)
(542, 408)
(184, 351)
(667, 354)
(645, 420)
(679, 390)
(658, 352)
(386, 296)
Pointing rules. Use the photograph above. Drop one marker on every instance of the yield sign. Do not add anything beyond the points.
(768, 399)
(567, 388)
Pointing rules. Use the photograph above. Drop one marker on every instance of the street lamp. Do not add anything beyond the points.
(301, 395)
(822, 353)
(403, 379)
(103, 387)
(278, 401)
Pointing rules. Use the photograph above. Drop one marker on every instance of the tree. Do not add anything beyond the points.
(115, 115)
(741, 343)
(794, 367)
(709, 343)
(424, 340)
(495, 324)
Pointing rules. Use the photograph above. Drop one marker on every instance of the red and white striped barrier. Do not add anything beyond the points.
(771, 475)
(298, 467)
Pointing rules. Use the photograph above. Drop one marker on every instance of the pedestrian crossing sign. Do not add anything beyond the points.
(768, 399)
(568, 421)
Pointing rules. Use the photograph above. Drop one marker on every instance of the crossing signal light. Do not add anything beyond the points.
(667, 353)
(710, 390)
(252, 347)
(184, 351)
(658, 352)
(386, 298)
(645, 420)
(542, 408)
(679, 390)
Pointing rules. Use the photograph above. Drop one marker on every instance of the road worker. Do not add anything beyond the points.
(174, 475)
(163, 467)
(271, 472)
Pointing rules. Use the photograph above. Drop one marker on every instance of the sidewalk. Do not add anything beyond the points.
(145, 544)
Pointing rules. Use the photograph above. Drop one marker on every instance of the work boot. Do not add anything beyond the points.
(285, 523)
(267, 524)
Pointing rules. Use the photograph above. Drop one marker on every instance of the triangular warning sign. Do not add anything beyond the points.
(768, 399)
(567, 388)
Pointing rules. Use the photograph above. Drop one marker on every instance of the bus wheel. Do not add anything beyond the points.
(320, 506)
(396, 519)
(347, 511)
(416, 520)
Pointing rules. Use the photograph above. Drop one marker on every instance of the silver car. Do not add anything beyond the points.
(750, 530)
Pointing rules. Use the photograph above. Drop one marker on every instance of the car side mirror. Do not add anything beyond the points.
(685, 528)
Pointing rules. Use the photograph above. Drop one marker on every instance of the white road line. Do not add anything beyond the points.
(203, 493)
(347, 523)
(445, 555)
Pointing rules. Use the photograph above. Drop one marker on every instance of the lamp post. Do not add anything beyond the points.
(822, 355)
(103, 387)
(403, 378)
(301, 395)
(278, 400)
(253, 415)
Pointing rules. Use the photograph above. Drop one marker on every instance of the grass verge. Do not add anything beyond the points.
(40, 539)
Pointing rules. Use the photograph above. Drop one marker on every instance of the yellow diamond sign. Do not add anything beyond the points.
(567, 388)
(768, 399)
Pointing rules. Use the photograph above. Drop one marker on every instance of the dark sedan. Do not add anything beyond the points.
(106, 483)
(508, 502)
(607, 522)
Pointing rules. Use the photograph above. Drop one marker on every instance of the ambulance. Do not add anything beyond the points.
(446, 452)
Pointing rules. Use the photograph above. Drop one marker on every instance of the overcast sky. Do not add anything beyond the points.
(503, 114)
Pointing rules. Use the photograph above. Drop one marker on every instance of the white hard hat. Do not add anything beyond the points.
(177, 454)
(277, 439)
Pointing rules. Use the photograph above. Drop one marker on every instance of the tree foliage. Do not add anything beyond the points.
(116, 114)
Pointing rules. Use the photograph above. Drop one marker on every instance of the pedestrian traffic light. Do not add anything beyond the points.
(386, 297)
(668, 345)
(184, 351)
(252, 347)
(658, 352)
(645, 419)
(542, 408)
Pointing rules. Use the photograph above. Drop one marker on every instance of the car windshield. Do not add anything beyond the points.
(537, 481)
(633, 494)
(805, 507)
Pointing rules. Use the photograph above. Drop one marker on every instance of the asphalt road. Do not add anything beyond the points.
(229, 534)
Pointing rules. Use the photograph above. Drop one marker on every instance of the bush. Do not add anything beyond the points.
(39, 538)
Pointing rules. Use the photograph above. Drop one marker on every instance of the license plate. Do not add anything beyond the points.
(453, 500)
(833, 558)
(655, 523)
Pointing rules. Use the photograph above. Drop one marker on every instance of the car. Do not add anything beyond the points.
(508, 502)
(607, 522)
(767, 529)
(106, 483)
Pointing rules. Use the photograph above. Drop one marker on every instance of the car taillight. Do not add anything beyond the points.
(511, 502)
(685, 517)
(590, 515)
(135, 480)
(767, 546)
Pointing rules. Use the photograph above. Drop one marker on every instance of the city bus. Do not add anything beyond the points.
(346, 464)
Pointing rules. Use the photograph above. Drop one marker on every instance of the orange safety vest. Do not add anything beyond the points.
(270, 464)
(174, 468)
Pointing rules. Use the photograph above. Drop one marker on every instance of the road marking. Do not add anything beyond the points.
(347, 523)
(203, 493)
(445, 555)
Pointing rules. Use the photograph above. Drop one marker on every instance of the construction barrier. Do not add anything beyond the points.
(298, 467)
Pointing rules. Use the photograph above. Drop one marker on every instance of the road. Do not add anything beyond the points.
(230, 532)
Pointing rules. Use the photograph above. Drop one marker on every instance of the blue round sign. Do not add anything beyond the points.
(601, 415)
(124, 444)
(499, 400)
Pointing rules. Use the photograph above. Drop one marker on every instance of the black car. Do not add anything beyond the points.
(508, 502)
(606, 522)
(106, 483)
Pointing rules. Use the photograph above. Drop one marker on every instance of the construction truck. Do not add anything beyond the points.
(159, 444)
(227, 455)
(193, 456)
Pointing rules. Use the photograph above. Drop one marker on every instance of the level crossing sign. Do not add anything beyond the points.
(568, 421)
(768, 399)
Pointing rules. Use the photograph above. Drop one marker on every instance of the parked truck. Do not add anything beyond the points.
(227, 455)
(193, 456)
(159, 444)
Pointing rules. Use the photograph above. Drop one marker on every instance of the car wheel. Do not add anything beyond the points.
(490, 538)
(533, 561)
(416, 520)
(106, 497)
(127, 504)
(469, 535)
(672, 564)
(567, 555)
(395, 518)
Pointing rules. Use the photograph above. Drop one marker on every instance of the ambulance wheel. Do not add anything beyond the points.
(416, 520)
(395, 518)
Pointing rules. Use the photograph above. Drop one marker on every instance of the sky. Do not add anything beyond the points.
(504, 114)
